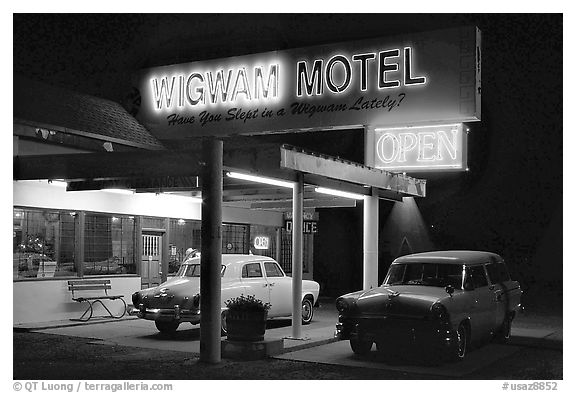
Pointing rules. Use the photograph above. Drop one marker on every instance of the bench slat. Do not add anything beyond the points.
(90, 287)
(82, 282)
(83, 299)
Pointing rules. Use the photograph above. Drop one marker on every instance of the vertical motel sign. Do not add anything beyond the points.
(420, 149)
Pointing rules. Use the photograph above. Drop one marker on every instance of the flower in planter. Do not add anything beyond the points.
(246, 303)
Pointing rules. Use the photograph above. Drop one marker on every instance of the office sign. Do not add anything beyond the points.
(410, 79)
(419, 149)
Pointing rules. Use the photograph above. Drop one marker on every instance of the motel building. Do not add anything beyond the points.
(100, 192)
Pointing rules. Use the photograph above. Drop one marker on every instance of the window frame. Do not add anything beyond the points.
(245, 268)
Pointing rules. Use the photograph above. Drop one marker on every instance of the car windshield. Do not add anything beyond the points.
(193, 270)
(429, 274)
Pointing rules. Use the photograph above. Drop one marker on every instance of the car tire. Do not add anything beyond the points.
(360, 346)
(223, 324)
(167, 326)
(505, 331)
(307, 311)
(462, 339)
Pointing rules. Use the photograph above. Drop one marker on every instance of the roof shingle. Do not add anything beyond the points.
(45, 104)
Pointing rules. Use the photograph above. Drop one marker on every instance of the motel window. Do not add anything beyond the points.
(235, 239)
(43, 243)
(109, 245)
(286, 251)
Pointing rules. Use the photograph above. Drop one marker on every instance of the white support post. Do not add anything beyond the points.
(297, 237)
(370, 257)
(371, 226)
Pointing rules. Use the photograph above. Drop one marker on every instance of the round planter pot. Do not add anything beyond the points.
(246, 326)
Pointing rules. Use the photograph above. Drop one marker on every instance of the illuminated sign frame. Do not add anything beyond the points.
(418, 78)
(262, 242)
(422, 148)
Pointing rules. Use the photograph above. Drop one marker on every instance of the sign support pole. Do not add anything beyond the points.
(211, 251)
(297, 237)
(371, 226)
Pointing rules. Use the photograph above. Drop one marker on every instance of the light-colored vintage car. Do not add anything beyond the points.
(178, 299)
(437, 303)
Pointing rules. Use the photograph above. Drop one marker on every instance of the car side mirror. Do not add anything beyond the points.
(468, 285)
(449, 289)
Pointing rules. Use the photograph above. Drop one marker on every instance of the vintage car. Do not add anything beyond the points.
(437, 303)
(178, 299)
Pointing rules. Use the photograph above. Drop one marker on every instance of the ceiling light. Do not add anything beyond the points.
(339, 193)
(258, 179)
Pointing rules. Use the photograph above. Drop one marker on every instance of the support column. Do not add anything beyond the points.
(297, 237)
(371, 225)
(370, 256)
(211, 251)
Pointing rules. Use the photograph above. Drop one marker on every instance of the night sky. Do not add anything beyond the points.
(509, 202)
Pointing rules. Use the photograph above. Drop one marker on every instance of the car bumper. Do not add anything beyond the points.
(166, 314)
(404, 333)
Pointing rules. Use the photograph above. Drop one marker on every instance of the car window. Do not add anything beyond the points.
(430, 274)
(273, 270)
(395, 275)
(193, 270)
(251, 270)
(477, 275)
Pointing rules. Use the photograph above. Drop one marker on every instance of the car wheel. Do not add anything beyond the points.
(360, 346)
(503, 334)
(223, 324)
(307, 311)
(461, 342)
(167, 326)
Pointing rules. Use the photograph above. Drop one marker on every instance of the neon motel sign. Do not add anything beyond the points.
(261, 83)
(427, 148)
(421, 78)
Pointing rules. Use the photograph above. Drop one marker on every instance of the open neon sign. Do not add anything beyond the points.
(414, 149)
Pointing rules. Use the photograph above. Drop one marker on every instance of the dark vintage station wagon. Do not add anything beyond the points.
(442, 302)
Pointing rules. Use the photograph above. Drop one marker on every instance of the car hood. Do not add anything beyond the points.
(401, 300)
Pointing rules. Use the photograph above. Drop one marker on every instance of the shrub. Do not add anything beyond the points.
(246, 303)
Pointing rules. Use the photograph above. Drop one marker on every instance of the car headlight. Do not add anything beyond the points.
(342, 305)
(439, 312)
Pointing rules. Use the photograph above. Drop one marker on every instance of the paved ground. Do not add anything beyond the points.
(536, 335)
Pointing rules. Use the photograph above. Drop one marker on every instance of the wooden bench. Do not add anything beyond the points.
(93, 286)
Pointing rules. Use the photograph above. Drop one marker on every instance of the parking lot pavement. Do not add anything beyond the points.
(315, 345)
(339, 353)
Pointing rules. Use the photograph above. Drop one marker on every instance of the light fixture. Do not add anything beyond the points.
(259, 179)
(339, 193)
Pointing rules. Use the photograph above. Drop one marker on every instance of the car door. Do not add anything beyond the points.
(254, 282)
(482, 305)
(280, 289)
(499, 295)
